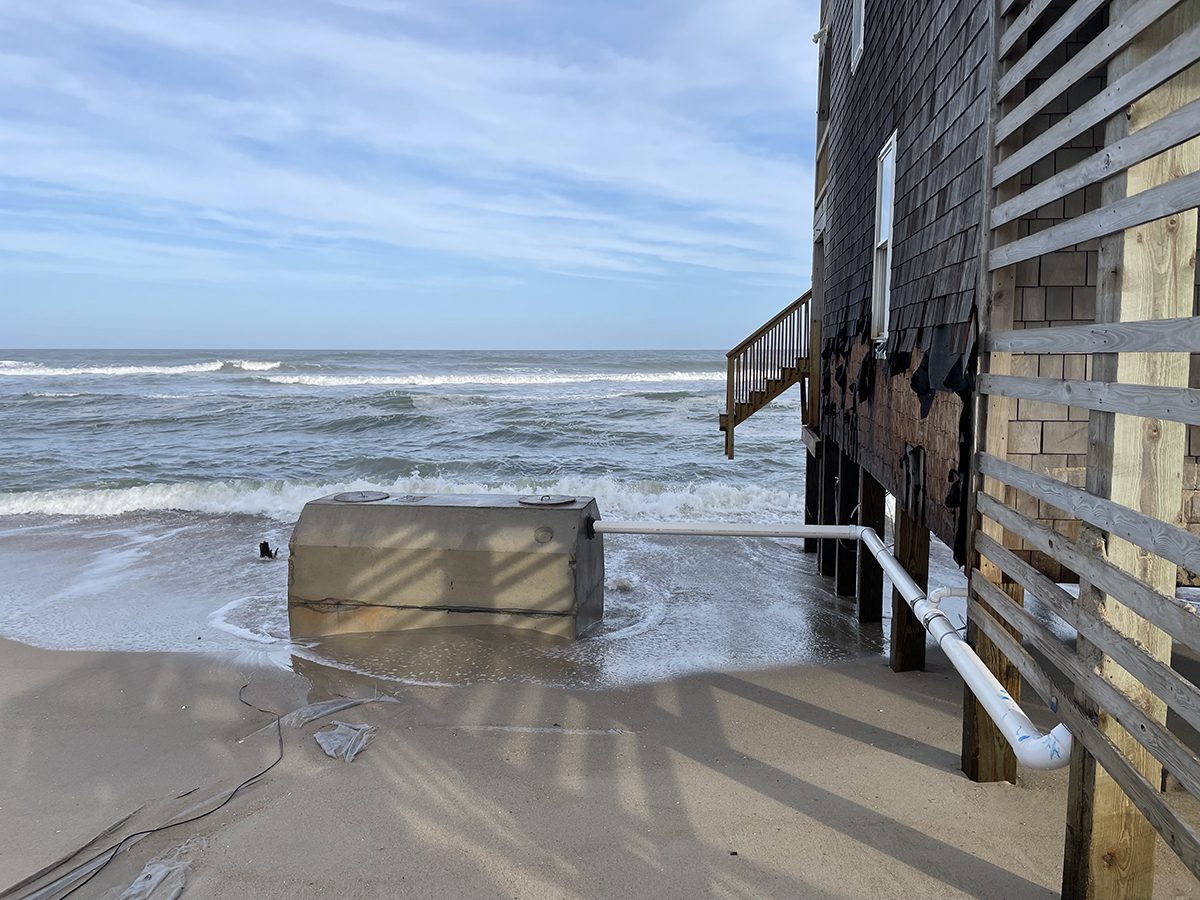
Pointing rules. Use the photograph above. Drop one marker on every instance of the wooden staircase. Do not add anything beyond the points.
(766, 364)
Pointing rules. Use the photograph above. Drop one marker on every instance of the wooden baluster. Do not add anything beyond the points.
(750, 373)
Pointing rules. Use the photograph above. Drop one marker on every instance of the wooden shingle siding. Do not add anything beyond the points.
(924, 74)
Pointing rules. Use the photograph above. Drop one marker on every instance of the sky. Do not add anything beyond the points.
(522, 174)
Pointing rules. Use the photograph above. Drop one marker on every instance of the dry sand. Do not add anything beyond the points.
(834, 781)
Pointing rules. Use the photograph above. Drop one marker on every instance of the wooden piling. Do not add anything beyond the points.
(845, 578)
(871, 514)
(912, 552)
(812, 496)
(986, 755)
(827, 549)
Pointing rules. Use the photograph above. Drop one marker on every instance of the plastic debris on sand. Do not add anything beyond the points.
(300, 717)
(345, 741)
(164, 878)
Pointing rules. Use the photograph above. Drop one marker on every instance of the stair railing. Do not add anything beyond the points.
(766, 364)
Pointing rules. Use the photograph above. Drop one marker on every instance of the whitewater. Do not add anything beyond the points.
(138, 485)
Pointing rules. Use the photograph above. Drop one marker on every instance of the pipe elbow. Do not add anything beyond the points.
(937, 596)
(1045, 751)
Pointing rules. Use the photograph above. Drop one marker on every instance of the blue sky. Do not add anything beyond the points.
(402, 173)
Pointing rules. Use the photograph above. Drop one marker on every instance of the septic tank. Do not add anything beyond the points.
(367, 561)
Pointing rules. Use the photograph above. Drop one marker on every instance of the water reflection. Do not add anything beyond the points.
(465, 655)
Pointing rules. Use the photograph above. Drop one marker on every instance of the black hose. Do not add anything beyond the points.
(116, 848)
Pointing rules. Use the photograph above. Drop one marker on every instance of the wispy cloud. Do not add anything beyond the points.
(233, 140)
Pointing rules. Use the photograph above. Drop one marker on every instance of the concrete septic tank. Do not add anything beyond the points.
(369, 562)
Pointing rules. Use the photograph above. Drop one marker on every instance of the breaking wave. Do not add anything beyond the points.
(283, 500)
(514, 379)
(14, 369)
(250, 365)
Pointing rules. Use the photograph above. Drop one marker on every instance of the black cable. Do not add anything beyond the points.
(116, 848)
(853, 542)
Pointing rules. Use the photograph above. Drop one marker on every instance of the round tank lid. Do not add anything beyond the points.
(360, 496)
(546, 500)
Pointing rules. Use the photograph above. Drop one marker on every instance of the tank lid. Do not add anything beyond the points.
(360, 496)
(546, 500)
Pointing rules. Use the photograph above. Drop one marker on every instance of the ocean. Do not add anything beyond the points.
(138, 484)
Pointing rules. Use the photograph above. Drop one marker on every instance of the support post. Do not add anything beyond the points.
(812, 496)
(1145, 273)
(912, 552)
(986, 755)
(845, 579)
(730, 411)
(827, 549)
(871, 513)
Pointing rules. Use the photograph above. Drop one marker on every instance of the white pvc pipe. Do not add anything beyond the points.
(723, 529)
(1032, 747)
(937, 595)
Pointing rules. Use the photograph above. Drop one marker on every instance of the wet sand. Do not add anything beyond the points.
(826, 781)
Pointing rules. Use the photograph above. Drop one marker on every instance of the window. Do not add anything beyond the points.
(885, 199)
(858, 15)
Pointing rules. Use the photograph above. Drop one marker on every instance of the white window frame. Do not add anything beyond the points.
(881, 271)
(858, 30)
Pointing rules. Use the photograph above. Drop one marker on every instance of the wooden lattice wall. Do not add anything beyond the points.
(1120, 517)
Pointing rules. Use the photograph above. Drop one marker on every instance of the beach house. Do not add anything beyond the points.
(1001, 335)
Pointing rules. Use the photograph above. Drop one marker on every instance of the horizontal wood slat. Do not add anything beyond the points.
(1151, 734)
(1167, 62)
(1097, 52)
(1171, 130)
(1145, 206)
(1031, 672)
(1179, 693)
(1168, 541)
(1173, 616)
(1173, 404)
(1179, 836)
(1019, 26)
(1157, 336)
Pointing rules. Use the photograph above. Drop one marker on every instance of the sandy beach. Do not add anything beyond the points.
(829, 781)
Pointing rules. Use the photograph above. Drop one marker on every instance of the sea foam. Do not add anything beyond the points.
(283, 500)
(13, 369)
(481, 378)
